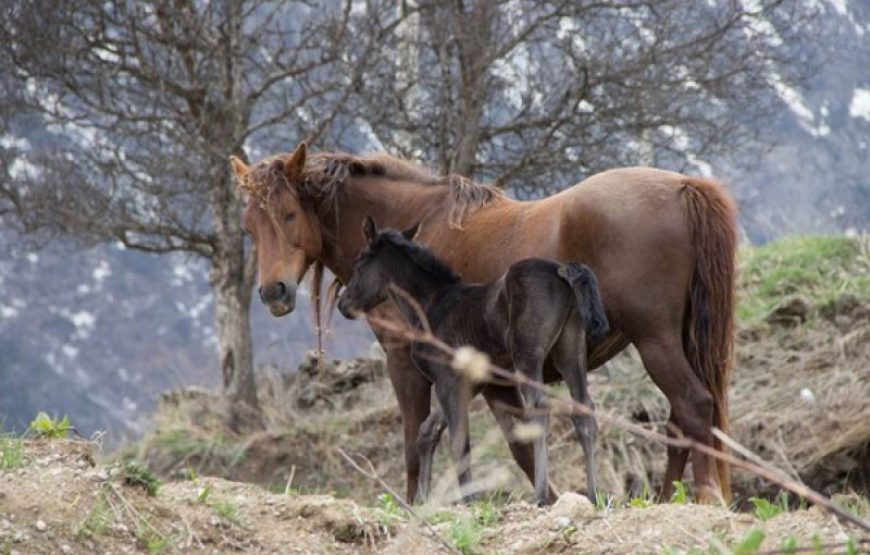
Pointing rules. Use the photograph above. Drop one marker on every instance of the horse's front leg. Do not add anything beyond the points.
(414, 394)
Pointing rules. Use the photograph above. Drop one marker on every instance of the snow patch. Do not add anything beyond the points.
(795, 101)
(102, 271)
(859, 106)
(11, 141)
(8, 311)
(70, 351)
(32, 257)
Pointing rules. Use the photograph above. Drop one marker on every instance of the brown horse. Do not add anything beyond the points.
(662, 244)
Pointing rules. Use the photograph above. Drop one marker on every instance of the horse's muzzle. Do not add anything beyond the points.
(346, 310)
(280, 297)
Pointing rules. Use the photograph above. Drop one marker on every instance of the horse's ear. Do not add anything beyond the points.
(413, 232)
(370, 230)
(295, 164)
(239, 167)
(240, 170)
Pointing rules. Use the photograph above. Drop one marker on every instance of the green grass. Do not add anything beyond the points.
(185, 444)
(96, 521)
(765, 510)
(818, 267)
(225, 509)
(392, 511)
(135, 473)
(466, 532)
(11, 452)
(153, 542)
(47, 427)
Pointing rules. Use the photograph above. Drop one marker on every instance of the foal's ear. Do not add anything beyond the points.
(413, 232)
(370, 230)
(295, 164)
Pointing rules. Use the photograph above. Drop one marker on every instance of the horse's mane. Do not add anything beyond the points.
(419, 255)
(326, 172)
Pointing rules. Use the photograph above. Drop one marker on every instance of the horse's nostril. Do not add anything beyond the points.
(272, 292)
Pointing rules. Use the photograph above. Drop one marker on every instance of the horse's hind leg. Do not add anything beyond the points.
(691, 406)
(569, 356)
(427, 441)
(677, 458)
(506, 404)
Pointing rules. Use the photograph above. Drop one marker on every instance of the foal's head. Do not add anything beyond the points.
(390, 257)
(286, 234)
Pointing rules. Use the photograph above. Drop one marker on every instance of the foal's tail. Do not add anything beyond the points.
(585, 286)
(708, 327)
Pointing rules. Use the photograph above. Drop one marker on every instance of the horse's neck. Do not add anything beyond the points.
(391, 203)
(419, 292)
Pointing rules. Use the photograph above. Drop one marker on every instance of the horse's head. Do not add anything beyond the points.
(375, 269)
(286, 233)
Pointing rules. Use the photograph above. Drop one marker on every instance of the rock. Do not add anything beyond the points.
(41, 525)
(562, 522)
(790, 312)
(64, 548)
(572, 506)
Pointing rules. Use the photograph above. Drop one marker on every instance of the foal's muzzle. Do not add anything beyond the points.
(279, 296)
(345, 309)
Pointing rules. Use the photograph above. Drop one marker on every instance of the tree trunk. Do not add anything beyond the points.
(235, 350)
(231, 279)
(473, 33)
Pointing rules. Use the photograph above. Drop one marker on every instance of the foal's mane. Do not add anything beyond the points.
(419, 255)
(327, 172)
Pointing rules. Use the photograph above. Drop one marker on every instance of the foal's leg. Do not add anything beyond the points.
(691, 406)
(506, 404)
(454, 403)
(427, 441)
(569, 356)
(531, 364)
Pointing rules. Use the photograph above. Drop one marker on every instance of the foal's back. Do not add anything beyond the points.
(530, 294)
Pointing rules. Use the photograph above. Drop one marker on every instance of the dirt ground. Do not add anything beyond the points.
(60, 501)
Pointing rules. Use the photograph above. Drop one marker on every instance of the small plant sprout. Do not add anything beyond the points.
(788, 545)
(204, 493)
(765, 510)
(225, 509)
(393, 512)
(44, 426)
(750, 543)
(135, 473)
(11, 452)
(679, 497)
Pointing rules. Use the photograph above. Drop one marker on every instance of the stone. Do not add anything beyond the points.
(790, 312)
(572, 506)
(41, 525)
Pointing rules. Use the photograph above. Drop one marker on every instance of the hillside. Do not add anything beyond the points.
(56, 500)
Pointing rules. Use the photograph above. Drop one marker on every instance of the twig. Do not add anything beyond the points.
(777, 477)
(372, 474)
(290, 479)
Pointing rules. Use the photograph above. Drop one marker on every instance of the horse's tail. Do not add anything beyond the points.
(585, 286)
(708, 327)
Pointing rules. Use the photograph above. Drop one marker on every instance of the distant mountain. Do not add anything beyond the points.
(816, 179)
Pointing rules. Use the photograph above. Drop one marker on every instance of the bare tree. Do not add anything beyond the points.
(533, 94)
(148, 99)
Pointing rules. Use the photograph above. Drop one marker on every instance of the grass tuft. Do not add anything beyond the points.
(11, 452)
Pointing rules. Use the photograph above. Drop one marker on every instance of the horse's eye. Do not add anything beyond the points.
(290, 217)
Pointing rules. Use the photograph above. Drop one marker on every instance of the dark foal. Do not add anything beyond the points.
(538, 313)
